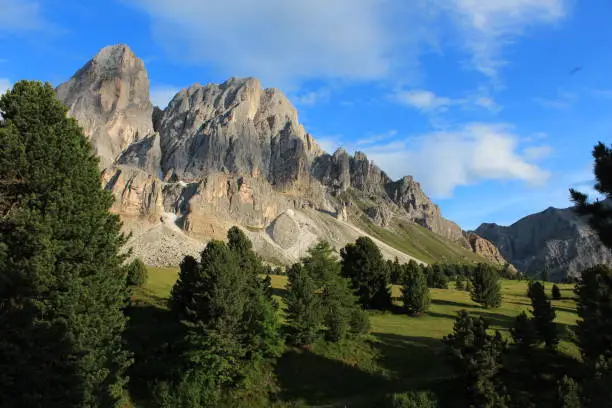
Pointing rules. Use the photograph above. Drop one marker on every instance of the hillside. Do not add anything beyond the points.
(236, 154)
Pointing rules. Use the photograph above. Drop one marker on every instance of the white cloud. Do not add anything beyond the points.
(161, 95)
(442, 161)
(5, 85)
(534, 153)
(376, 138)
(562, 100)
(277, 41)
(20, 15)
(424, 100)
(311, 98)
(428, 102)
(486, 26)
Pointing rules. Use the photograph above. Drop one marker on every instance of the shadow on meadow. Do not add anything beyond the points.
(152, 335)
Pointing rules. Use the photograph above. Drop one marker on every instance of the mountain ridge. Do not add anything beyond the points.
(232, 153)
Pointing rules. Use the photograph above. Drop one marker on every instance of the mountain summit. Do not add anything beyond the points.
(235, 154)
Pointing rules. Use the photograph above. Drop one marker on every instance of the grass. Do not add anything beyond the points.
(401, 352)
(420, 242)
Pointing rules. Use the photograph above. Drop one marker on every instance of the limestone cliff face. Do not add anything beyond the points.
(403, 197)
(109, 97)
(237, 128)
(556, 239)
(485, 248)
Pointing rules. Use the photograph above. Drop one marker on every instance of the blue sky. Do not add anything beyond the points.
(494, 106)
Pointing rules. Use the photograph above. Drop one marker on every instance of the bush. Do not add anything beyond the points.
(555, 293)
(360, 322)
(412, 399)
(137, 273)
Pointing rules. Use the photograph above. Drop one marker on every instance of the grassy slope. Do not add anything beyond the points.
(419, 242)
(402, 352)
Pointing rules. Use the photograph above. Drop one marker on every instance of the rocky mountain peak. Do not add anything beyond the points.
(109, 96)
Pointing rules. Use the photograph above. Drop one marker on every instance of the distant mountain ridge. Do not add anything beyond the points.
(233, 153)
(557, 240)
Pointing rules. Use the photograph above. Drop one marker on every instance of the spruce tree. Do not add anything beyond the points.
(62, 284)
(486, 288)
(363, 264)
(304, 313)
(543, 316)
(460, 282)
(594, 290)
(476, 355)
(568, 393)
(137, 273)
(415, 292)
(599, 212)
(555, 293)
(524, 333)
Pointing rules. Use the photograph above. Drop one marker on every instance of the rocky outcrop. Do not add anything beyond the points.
(554, 239)
(485, 248)
(237, 128)
(109, 97)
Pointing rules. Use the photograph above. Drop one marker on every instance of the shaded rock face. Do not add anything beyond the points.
(109, 97)
(238, 128)
(555, 239)
(486, 249)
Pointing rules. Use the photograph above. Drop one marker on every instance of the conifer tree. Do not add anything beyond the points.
(524, 333)
(415, 292)
(555, 293)
(363, 264)
(460, 282)
(137, 273)
(568, 393)
(486, 288)
(304, 310)
(543, 316)
(476, 354)
(62, 286)
(599, 212)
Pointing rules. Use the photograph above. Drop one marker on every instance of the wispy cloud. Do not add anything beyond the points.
(603, 93)
(563, 100)
(311, 98)
(486, 27)
(429, 102)
(20, 15)
(161, 95)
(476, 152)
(535, 153)
(374, 139)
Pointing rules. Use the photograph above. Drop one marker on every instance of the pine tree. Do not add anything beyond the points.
(524, 333)
(460, 282)
(62, 284)
(594, 290)
(555, 293)
(363, 264)
(599, 212)
(568, 393)
(476, 355)
(415, 292)
(304, 311)
(543, 316)
(338, 302)
(137, 273)
(486, 288)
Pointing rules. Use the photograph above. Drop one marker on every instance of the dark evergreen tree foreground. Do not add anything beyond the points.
(476, 355)
(62, 286)
(543, 316)
(568, 393)
(594, 331)
(524, 333)
(599, 212)
(233, 328)
(304, 309)
(363, 264)
(414, 399)
(485, 286)
(555, 292)
(415, 292)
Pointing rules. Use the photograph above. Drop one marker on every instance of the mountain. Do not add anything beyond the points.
(235, 153)
(555, 239)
